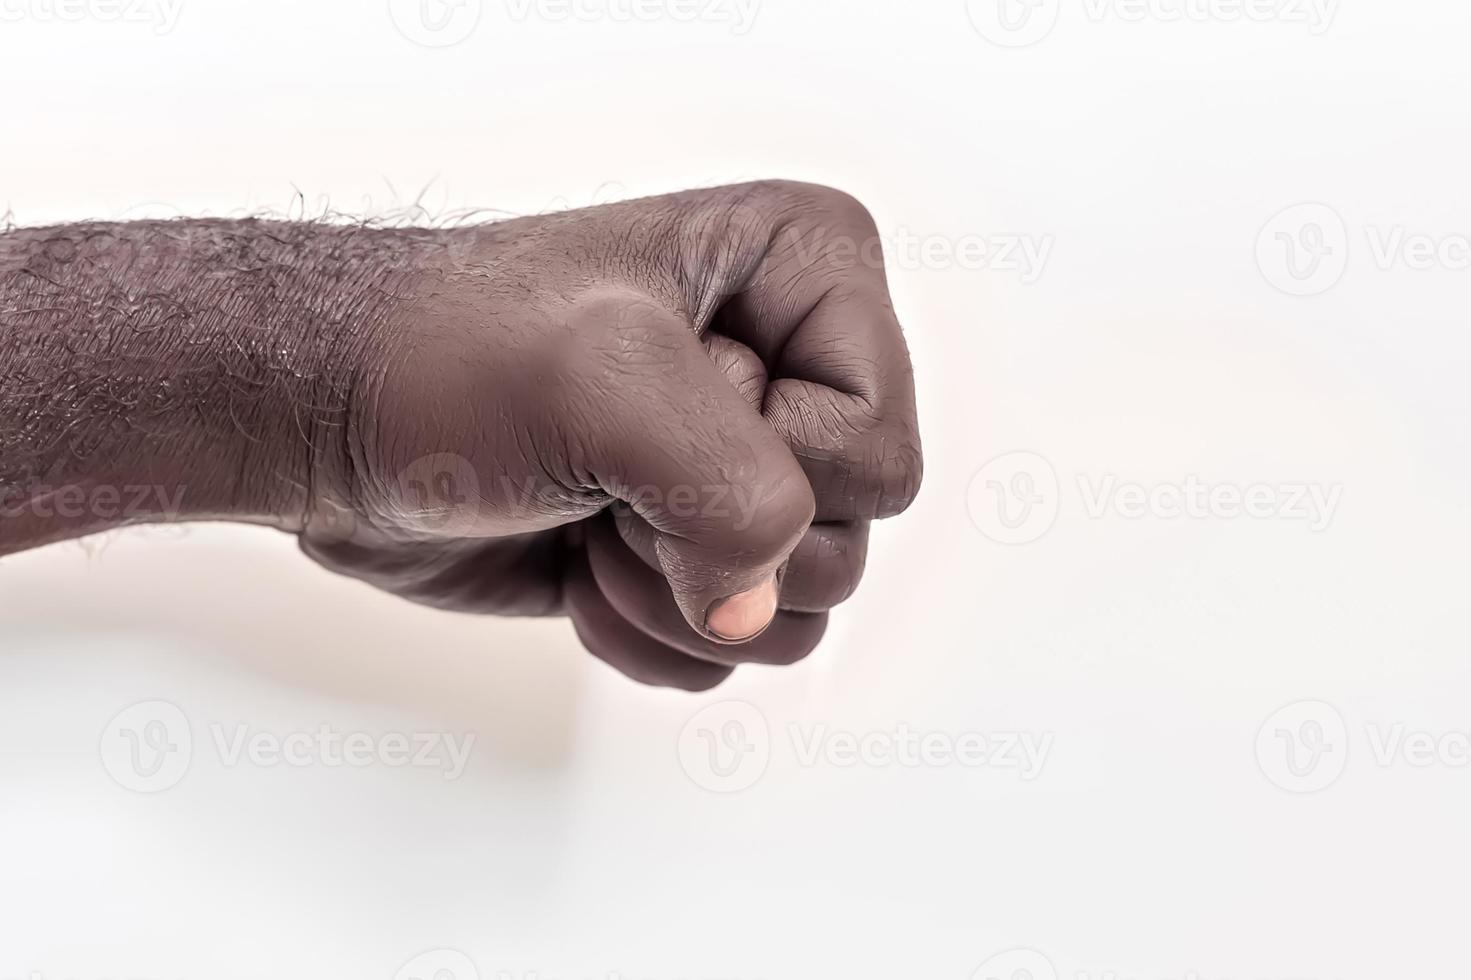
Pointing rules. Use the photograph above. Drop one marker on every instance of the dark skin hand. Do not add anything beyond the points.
(670, 419)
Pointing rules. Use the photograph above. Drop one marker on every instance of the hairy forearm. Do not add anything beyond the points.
(183, 370)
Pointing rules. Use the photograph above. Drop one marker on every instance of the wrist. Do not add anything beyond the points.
(164, 371)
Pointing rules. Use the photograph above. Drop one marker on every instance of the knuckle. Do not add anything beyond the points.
(781, 514)
(891, 468)
(817, 198)
(846, 208)
(834, 216)
(899, 477)
(820, 584)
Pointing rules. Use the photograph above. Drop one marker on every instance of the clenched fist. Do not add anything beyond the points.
(671, 419)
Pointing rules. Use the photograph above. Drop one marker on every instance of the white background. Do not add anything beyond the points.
(1159, 840)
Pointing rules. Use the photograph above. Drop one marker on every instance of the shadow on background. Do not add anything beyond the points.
(246, 596)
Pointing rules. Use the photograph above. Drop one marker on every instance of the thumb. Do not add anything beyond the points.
(680, 446)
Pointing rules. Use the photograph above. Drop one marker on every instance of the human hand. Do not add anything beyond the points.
(671, 419)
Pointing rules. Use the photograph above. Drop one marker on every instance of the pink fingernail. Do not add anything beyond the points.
(742, 616)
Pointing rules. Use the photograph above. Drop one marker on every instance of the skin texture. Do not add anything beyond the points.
(671, 419)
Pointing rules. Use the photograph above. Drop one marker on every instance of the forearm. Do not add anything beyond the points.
(196, 370)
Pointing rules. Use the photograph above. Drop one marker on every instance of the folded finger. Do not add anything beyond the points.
(641, 595)
(613, 640)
